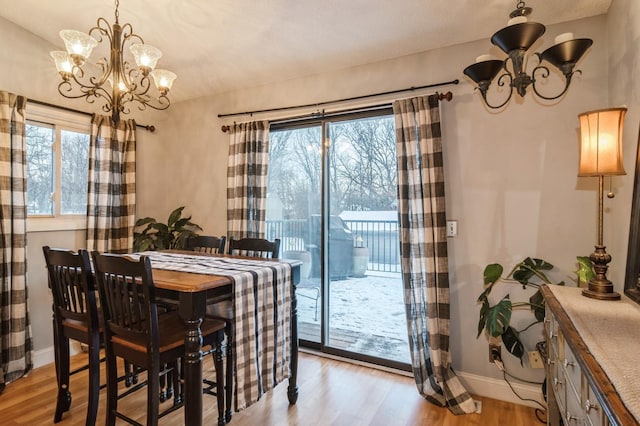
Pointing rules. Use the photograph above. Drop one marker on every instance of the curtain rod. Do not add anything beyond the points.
(441, 96)
(150, 128)
(446, 83)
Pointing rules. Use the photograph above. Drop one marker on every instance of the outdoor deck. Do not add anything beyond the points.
(367, 315)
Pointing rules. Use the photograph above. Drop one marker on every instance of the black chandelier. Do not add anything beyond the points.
(515, 40)
(117, 82)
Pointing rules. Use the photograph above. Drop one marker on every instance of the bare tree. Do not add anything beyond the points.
(39, 169)
(361, 167)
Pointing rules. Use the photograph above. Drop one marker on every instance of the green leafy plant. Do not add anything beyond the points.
(154, 235)
(496, 319)
(585, 273)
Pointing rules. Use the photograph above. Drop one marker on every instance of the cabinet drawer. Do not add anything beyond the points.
(591, 406)
(574, 413)
(573, 371)
(558, 382)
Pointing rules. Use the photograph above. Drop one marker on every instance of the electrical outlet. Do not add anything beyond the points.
(495, 352)
(535, 360)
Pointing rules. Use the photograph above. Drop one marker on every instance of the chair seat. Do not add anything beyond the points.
(171, 334)
(81, 326)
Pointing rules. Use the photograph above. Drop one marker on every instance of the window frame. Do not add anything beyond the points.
(60, 119)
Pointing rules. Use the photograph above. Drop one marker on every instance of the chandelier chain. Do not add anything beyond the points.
(117, 12)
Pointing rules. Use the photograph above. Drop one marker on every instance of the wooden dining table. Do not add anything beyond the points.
(192, 290)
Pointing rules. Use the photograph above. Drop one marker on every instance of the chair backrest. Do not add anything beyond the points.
(206, 244)
(254, 247)
(72, 285)
(127, 298)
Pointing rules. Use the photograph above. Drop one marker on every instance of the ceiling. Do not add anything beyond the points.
(220, 45)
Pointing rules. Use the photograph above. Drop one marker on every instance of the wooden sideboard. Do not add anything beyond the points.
(579, 390)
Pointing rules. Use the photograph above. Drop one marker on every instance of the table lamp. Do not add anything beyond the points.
(601, 155)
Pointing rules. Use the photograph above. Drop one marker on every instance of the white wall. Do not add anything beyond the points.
(511, 175)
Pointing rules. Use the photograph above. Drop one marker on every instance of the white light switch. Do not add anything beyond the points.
(452, 228)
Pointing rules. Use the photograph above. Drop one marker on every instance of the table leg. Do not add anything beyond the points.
(192, 310)
(292, 391)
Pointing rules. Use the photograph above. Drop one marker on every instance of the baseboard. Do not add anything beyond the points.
(499, 389)
(476, 385)
(46, 356)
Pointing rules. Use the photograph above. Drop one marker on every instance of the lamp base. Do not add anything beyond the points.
(611, 295)
(600, 287)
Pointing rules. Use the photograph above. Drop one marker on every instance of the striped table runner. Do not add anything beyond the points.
(262, 311)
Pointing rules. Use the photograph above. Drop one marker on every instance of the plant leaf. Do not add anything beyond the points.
(485, 294)
(174, 216)
(585, 269)
(526, 269)
(511, 340)
(539, 264)
(498, 317)
(181, 223)
(484, 311)
(492, 273)
(144, 221)
(537, 302)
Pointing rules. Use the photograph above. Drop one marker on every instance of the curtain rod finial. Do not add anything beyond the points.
(445, 96)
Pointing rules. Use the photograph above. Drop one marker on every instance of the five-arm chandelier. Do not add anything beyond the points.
(515, 40)
(114, 81)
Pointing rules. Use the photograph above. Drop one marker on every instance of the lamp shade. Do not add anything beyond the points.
(146, 56)
(601, 142)
(78, 43)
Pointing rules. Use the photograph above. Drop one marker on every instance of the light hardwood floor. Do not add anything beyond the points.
(331, 393)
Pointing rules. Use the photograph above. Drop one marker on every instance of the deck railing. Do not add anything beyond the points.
(380, 238)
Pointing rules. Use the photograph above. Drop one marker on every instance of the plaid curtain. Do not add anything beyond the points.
(423, 251)
(112, 185)
(16, 347)
(247, 179)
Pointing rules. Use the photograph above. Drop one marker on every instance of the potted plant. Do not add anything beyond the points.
(529, 273)
(155, 235)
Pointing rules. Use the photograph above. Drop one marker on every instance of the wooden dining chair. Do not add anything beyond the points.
(223, 309)
(206, 244)
(75, 317)
(254, 247)
(134, 331)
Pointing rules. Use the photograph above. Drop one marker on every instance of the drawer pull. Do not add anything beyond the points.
(589, 406)
(568, 363)
(556, 381)
(570, 417)
(550, 361)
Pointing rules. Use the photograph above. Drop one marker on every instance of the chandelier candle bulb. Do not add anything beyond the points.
(483, 58)
(563, 37)
(517, 20)
(78, 44)
(64, 64)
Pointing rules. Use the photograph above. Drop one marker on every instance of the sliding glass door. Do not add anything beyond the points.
(332, 202)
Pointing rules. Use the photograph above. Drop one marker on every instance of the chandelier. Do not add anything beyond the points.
(114, 81)
(514, 40)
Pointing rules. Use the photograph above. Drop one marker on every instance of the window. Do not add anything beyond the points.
(57, 168)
